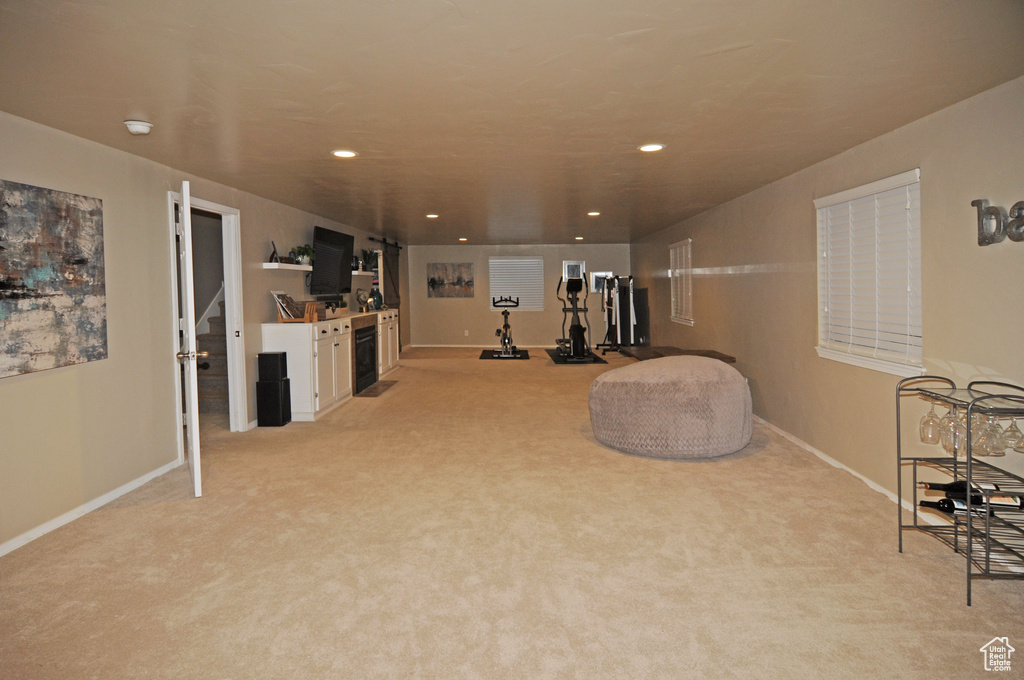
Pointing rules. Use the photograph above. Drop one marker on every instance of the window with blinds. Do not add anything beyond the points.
(680, 275)
(869, 275)
(518, 277)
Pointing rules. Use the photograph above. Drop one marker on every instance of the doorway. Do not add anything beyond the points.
(226, 220)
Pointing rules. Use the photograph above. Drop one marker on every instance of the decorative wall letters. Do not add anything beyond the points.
(995, 223)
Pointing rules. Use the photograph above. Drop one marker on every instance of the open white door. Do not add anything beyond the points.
(187, 353)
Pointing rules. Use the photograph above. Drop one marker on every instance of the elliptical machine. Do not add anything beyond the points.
(508, 350)
(574, 348)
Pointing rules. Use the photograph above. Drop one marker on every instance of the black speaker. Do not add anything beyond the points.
(273, 403)
(273, 366)
(643, 317)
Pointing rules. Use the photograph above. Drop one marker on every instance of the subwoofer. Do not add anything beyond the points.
(273, 402)
(273, 366)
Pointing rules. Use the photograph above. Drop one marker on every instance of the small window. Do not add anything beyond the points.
(681, 277)
(518, 277)
(869, 275)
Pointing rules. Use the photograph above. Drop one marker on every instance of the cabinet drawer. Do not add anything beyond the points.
(341, 326)
(321, 330)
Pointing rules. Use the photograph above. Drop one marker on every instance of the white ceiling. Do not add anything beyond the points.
(509, 118)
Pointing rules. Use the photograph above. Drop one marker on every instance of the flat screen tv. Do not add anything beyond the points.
(332, 263)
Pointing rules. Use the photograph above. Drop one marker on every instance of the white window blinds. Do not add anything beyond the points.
(518, 277)
(869, 275)
(680, 276)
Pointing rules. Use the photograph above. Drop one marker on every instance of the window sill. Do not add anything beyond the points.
(902, 370)
(685, 322)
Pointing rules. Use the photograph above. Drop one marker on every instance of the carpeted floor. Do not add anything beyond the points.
(465, 524)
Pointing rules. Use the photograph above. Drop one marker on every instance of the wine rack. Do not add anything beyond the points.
(990, 537)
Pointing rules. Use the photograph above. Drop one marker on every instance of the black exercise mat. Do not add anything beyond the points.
(559, 359)
(496, 354)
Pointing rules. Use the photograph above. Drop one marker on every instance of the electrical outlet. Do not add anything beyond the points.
(467, 333)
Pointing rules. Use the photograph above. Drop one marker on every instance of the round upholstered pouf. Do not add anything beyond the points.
(672, 407)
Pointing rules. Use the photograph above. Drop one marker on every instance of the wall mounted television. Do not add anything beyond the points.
(332, 263)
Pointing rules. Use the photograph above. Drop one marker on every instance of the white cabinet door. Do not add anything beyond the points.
(324, 361)
(343, 366)
(394, 341)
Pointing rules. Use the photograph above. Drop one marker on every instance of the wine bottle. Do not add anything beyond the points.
(1000, 500)
(952, 506)
(959, 486)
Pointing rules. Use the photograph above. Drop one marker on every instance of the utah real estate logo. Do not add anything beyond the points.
(997, 653)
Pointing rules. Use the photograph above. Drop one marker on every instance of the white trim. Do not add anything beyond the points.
(234, 328)
(72, 515)
(907, 505)
(896, 181)
(902, 370)
(482, 346)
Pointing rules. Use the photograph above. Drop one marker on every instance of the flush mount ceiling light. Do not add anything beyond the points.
(593, 213)
(344, 153)
(138, 127)
(579, 238)
(463, 238)
(649, 148)
(431, 216)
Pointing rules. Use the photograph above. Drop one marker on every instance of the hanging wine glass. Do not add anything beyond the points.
(997, 446)
(930, 429)
(990, 440)
(1013, 437)
(947, 431)
(959, 438)
(977, 425)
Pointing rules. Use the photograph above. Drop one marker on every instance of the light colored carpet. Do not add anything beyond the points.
(466, 524)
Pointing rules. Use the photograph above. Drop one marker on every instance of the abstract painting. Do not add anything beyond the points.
(450, 279)
(53, 303)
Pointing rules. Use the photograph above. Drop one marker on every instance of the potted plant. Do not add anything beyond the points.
(369, 260)
(303, 254)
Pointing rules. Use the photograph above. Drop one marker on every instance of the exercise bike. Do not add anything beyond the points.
(508, 350)
(574, 348)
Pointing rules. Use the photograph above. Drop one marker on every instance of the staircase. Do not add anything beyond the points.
(213, 381)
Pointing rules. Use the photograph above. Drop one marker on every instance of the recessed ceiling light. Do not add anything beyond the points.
(648, 148)
(344, 153)
(593, 213)
(463, 238)
(431, 216)
(579, 238)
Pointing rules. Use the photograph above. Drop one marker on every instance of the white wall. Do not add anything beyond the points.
(471, 322)
(72, 435)
(755, 289)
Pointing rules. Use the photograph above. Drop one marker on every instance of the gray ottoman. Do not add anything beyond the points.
(673, 407)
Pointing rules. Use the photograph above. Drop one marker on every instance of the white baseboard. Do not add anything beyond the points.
(490, 346)
(907, 505)
(72, 515)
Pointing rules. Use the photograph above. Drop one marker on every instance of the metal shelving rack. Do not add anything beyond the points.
(993, 544)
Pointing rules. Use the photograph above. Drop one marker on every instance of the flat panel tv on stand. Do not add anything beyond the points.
(332, 263)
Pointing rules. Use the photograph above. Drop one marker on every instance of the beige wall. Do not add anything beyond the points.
(73, 434)
(446, 321)
(755, 292)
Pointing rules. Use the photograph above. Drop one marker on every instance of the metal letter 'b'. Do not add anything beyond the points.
(998, 219)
